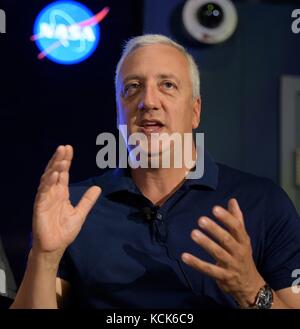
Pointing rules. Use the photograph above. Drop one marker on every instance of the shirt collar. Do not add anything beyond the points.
(119, 179)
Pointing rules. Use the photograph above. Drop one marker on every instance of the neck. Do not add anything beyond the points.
(158, 184)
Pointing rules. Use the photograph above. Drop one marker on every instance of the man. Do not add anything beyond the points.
(7, 282)
(154, 238)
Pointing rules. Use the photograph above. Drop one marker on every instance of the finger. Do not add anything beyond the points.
(48, 183)
(63, 153)
(68, 156)
(88, 200)
(226, 240)
(235, 210)
(211, 270)
(57, 156)
(69, 152)
(57, 166)
(233, 224)
(217, 252)
(66, 159)
(63, 178)
(62, 166)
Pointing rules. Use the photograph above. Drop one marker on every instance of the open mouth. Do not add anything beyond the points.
(151, 126)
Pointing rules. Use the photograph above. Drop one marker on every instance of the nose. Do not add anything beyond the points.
(149, 99)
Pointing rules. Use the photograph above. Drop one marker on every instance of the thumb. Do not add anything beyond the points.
(88, 200)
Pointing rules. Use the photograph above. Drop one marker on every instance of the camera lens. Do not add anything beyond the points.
(210, 15)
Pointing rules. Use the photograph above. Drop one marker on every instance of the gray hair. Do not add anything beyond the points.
(152, 39)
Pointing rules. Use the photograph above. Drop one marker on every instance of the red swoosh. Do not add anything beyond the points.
(89, 22)
(95, 19)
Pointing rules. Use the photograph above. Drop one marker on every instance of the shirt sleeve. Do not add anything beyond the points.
(282, 244)
(7, 282)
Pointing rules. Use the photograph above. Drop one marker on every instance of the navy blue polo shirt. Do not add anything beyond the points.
(127, 254)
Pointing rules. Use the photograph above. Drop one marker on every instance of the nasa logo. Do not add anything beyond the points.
(67, 32)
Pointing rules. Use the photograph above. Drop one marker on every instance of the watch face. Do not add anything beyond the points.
(265, 298)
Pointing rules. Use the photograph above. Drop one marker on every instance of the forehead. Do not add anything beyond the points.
(155, 59)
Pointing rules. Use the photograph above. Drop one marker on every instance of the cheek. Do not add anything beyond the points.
(185, 111)
(181, 116)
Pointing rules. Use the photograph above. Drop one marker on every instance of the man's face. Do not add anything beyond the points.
(155, 92)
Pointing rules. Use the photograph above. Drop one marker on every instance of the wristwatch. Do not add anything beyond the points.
(264, 298)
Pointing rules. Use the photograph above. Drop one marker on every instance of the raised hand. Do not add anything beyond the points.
(56, 222)
(235, 271)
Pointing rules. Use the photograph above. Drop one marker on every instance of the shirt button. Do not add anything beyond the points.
(159, 216)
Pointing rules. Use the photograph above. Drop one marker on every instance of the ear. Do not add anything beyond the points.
(196, 112)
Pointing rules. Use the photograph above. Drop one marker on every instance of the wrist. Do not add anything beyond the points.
(47, 260)
(247, 298)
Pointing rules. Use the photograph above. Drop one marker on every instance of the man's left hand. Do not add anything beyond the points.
(235, 271)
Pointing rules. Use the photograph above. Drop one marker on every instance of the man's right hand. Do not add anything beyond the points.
(56, 222)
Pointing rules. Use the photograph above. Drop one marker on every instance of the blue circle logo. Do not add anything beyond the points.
(67, 32)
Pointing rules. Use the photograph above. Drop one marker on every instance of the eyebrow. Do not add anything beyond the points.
(131, 77)
(159, 76)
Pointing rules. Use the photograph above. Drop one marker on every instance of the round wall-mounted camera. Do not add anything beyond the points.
(210, 21)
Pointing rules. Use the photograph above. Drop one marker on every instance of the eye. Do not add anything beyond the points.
(130, 88)
(169, 85)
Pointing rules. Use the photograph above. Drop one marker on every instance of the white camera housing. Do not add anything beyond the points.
(209, 35)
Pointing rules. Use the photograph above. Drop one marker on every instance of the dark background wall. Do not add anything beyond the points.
(43, 104)
(240, 80)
